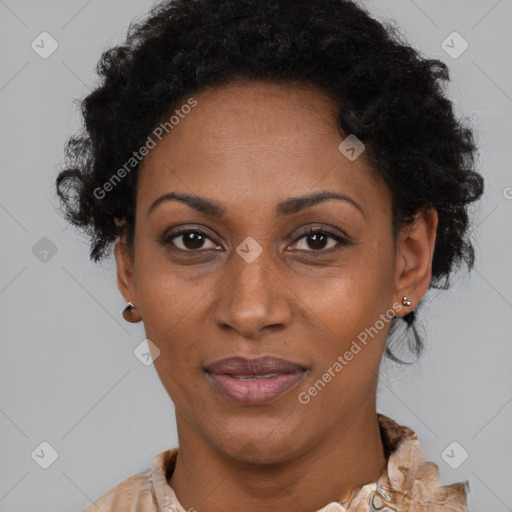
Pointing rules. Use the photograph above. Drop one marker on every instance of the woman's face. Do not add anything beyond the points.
(247, 280)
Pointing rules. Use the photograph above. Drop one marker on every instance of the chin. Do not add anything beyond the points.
(264, 445)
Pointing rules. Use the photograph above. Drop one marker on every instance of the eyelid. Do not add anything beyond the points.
(170, 235)
(334, 232)
(341, 239)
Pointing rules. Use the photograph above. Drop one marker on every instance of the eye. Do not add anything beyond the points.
(190, 240)
(194, 240)
(318, 240)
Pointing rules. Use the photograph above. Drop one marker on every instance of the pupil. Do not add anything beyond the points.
(317, 236)
(193, 241)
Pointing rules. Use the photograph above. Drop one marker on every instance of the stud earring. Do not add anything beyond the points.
(406, 301)
(127, 312)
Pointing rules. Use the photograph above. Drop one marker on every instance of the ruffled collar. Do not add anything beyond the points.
(408, 483)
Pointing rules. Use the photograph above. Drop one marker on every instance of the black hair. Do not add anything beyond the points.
(387, 94)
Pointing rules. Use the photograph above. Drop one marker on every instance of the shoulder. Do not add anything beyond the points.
(132, 495)
(146, 491)
(410, 481)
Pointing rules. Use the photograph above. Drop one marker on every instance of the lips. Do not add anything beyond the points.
(254, 381)
(259, 366)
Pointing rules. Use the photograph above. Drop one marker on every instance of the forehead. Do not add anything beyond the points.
(254, 143)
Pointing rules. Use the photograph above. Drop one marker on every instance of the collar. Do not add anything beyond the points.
(407, 484)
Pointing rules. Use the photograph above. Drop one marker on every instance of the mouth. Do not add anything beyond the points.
(251, 382)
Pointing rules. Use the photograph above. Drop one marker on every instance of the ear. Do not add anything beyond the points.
(414, 255)
(124, 262)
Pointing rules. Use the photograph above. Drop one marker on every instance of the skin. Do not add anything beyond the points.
(249, 146)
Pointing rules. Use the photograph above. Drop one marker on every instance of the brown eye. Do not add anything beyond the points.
(318, 240)
(189, 240)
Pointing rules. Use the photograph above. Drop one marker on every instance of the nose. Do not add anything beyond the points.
(253, 297)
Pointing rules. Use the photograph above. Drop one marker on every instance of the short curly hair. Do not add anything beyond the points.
(386, 93)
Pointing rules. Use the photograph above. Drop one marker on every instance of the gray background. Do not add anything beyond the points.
(68, 374)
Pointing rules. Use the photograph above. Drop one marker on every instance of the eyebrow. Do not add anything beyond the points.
(287, 207)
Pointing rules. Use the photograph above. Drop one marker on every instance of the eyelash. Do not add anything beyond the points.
(167, 239)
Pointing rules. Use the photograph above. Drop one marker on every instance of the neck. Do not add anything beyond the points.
(337, 467)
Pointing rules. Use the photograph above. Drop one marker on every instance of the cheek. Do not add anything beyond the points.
(351, 297)
(166, 299)
(355, 334)
(170, 310)
(348, 353)
(352, 311)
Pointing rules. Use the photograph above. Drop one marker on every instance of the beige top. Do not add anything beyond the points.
(408, 484)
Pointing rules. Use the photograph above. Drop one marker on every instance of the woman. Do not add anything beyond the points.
(283, 183)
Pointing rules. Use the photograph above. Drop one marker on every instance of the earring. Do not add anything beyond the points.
(127, 312)
(406, 301)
